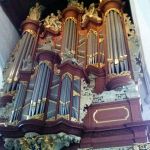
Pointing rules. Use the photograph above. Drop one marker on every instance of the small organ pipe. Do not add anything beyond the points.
(23, 54)
(110, 35)
(117, 34)
(70, 35)
(113, 36)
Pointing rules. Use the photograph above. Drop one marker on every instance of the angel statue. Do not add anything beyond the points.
(35, 12)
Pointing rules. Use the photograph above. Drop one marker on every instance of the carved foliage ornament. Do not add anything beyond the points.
(44, 142)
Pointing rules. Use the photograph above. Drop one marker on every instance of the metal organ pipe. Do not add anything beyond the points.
(40, 90)
(18, 102)
(35, 90)
(21, 47)
(111, 45)
(123, 44)
(108, 44)
(70, 35)
(116, 61)
(118, 41)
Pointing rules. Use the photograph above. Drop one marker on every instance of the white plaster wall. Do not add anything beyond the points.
(8, 39)
(141, 16)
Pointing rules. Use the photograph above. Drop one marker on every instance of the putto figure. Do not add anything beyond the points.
(53, 22)
(35, 12)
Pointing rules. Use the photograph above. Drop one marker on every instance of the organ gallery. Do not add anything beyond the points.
(70, 82)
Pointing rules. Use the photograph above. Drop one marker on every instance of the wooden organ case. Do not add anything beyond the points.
(71, 82)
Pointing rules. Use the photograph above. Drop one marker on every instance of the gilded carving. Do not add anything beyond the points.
(122, 74)
(130, 28)
(38, 117)
(35, 12)
(91, 13)
(41, 142)
(76, 4)
(32, 32)
(53, 22)
(113, 9)
(123, 108)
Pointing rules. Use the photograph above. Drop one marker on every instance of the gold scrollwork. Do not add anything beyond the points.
(113, 9)
(9, 80)
(48, 63)
(111, 120)
(92, 31)
(38, 116)
(71, 18)
(63, 116)
(76, 78)
(68, 74)
(122, 74)
(32, 32)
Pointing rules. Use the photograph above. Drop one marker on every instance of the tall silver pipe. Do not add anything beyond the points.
(64, 36)
(24, 50)
(41, 89)
(42, 106)
(117, 34)
(74, 36)
(67, 33)
(111, 64)
(30, 47)
(41, 74)
(110, 38)
(35, 90)
(70, 35)
(114, 42)
(93, 48)
(15, 64)
(123, 47)
(113, 36)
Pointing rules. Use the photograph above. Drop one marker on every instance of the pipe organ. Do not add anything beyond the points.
(71, 78)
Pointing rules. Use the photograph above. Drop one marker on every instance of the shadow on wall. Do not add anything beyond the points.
(8, 38)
